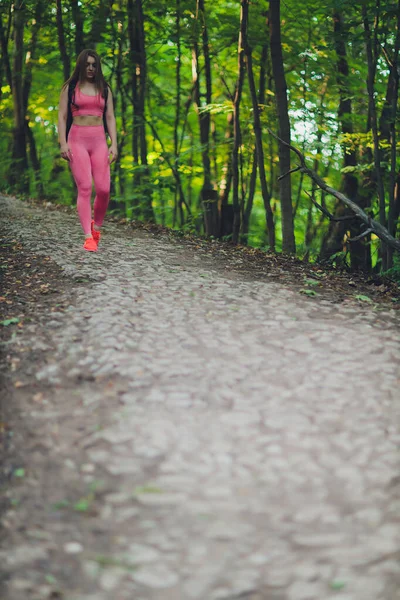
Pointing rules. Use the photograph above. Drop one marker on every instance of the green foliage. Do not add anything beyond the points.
(337, 585)
(394, 272)
(313, 93)
(7, 322)
(147, 489)
(362, 298)
(312, 282)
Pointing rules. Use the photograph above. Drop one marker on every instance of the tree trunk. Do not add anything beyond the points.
(147, 207)
(393, 212)
(141, 177)
(209, 196)
(250, 200)
(122, 111)
(288, 240)
(5, 59)
(177, 204)
(259, 145)
(225, 210)
(99, 23)
(78, 22)
(61, 42)
(35, 162)
(371, 62)
(333, 242)
(237, 136)
(31, 54)
(134, 50)
(18, 170)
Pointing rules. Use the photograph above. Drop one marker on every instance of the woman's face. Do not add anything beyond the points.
(90, 68)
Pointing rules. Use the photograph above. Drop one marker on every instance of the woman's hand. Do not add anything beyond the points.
(65, 152)
(113, 153)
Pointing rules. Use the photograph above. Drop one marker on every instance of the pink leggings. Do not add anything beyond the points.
(90, 160)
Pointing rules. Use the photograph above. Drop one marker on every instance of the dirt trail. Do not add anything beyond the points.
(185, 429)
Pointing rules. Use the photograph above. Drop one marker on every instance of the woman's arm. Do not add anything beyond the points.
(62, 124)
(112, 127)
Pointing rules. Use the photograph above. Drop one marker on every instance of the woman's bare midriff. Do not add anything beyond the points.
(88, 120)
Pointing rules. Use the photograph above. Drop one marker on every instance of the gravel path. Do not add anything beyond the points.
(200, 435)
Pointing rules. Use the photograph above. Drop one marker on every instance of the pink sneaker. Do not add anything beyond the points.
(96, 234)
(90, 245)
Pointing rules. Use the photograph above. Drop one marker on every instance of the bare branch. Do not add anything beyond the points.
(299, 154)
(229, 93)
(289, 172)
(326, 212)
(389, 62)
(359, 237)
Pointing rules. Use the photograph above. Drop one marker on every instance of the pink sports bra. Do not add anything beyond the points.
(87, 105)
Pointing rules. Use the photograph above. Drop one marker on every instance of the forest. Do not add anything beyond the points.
(209, 96)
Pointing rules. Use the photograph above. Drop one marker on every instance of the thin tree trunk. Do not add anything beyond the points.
(178, 77)
(142, 63)
(190, 165)
(78, 22)
(371, 61)
(5, 59)
(115, 66)
(237, 136)
(225, 210)
(209, 196)
(99, 23)
(392, 216)
(259, 145)
(266, 82)
(214, 152)
(18, 175)
(250, 199)
(147, 206)
(61, 42)
(288, 240)
(34, 160)
(27, 83)
(226, 179)
(333, 242)
(134, 82)
(209, 193)
(122, 95)
(31, 54)
(134, 52)
(177, 203)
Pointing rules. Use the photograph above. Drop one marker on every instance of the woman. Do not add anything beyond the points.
(86, 112)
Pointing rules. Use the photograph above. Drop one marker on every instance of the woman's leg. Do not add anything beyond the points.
(101, 177)
(82, 173)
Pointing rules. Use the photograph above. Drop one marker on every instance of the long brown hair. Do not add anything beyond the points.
(79, 74)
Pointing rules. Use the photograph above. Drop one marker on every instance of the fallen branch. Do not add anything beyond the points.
(359, 237)
(326, 212)
(376, 228)
(298, 168)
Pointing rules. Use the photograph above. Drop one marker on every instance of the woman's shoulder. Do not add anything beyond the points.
(69, 86)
